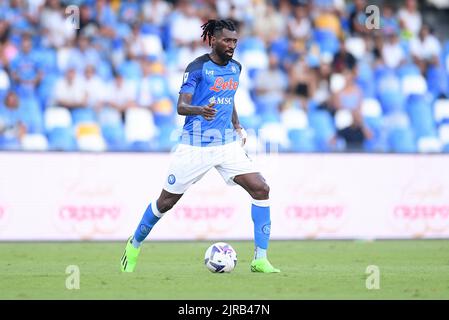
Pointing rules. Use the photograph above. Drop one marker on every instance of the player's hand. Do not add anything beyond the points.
(208, 112)
(243, 135)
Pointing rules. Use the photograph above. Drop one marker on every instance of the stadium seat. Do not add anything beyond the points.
(409, 69)
(343, 119)
(294, 119)
(274, 134)
(323, 126)
(356, 46)
(391, 102)
(437, 81)
(441, 110)
(139, 125)
(429, 145)
(371, 108)
(420, 113)
(443, 133)
(89, 137)
(82, 115)
(402, 140)
(326, 40)
(337, 82)
(61, 139)
(301, 140)
(34, 142)
(413, 84)
(57, 117)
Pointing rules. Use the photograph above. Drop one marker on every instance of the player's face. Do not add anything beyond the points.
(225, 43)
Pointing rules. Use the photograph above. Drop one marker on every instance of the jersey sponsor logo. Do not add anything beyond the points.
(220, 84)
(209, 72)
(186, 76)
(223, 100)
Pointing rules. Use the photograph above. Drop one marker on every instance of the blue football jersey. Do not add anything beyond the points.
(209, 82)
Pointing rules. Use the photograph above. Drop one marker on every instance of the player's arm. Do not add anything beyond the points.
(185, 107)
(236, 123)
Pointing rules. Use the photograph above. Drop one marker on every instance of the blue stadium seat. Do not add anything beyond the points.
(327, 41)
(437, 81)
(408, 69)
(114, 136)
(419, 110)
(402, 140)
(301, 140)
(61, 139)
(32, 114)
(391, 101)
(323, 126)
(378, 142)
(83, 115)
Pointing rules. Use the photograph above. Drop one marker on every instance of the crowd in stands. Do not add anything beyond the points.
(318, 75)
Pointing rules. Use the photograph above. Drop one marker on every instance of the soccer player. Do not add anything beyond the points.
(209, 140)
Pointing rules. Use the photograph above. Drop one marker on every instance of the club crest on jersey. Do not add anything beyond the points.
(220, 84)
(233, 69)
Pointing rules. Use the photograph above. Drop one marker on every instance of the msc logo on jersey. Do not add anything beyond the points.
(171, 179)
(220, 84)
(186, 75)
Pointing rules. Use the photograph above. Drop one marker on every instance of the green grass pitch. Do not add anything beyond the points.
(175, 270)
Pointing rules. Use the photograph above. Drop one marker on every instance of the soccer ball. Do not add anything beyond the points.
(220, 257)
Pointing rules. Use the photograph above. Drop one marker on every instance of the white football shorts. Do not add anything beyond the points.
(190, 163)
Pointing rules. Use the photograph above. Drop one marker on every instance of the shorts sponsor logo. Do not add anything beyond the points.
(171, 179)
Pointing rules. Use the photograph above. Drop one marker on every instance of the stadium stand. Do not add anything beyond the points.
(112, 84)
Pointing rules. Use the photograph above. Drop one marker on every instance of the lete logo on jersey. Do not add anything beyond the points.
(221, 84)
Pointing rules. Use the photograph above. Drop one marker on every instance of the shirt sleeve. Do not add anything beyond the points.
(192, 77)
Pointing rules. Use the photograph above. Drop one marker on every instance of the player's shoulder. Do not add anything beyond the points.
(198, 63)
(237, 63)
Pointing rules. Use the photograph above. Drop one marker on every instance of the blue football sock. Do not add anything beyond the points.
(149, 219)
(260, 213)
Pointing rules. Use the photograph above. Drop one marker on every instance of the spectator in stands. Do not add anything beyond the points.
(12, 127)
(56, 30)
(25, 70)
(321, 95)
(95, 88)
(185, 26)
(393, 54)
(343, 59)
(357, 19)
(425, 48)
(356, 134)
(410, 19)
(269, 24)
(156, 12)
(299, 25)
(270, 86)
(327, 19)
(350, 97)
(389, 21)
(70, 91)
(121, 94)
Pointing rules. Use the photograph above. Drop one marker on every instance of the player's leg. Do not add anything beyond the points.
(187, 167)
(151, 216)
(255, 184)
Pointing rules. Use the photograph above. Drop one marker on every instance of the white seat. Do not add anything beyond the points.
(294, 119)
(343, 119)
(371, 108)
(356, 46)
(429, 144)
(443, 133)
(441, 109)
(275, 133)
(57, 117)
(34, 142)
(139, 125)
(337, 82)
(92, 143)
(413, 84)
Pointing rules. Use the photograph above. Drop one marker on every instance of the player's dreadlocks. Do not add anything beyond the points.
(212, 26)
